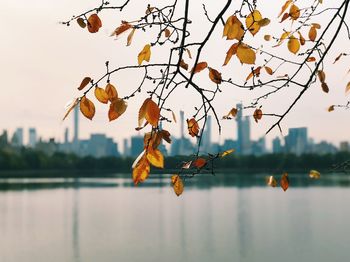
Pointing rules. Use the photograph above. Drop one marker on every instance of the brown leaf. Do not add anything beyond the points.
(199, 163)
(331, 108)
(94, 23)
(232, 51)
(183, 64)
(165, 135)
(145, 54)
(321, 76)
(215, 76)
(252, 22)
(284, 182)
(116, 109)
(268, 70)
(87, 108)
(177, 184)
(122, 28)
(193, 127)
(101, 95)
(293, 45)
(267, 37)
(301, 39)
(199, 67)
(257, 115)
(325, 87)
(294, 12)
(167, 33)
(311, 59)
(312, 33)
(347, 88)
(174, 117)
(81, 22)
(111, 92)
(284, 17)
(84, 83)
(233, 29)
(245, 54)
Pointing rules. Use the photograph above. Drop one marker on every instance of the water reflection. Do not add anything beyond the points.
(222, 218)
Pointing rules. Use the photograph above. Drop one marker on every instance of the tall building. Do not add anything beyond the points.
(297, 140)
(17, 138)
(3, 139)
(66, 136)
(32, 137)
(243, 132)
(206, 137)
(136, 145)
(76, 124)
(276, 145)
(126, 149)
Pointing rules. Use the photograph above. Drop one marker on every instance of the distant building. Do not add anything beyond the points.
(32, 137)
(344, 146)
(259, 147)
(126, 149)
(297, 141)
(136, 145)
(4, 139)
(49, 147)
(17, 138)
(76, 124)
(206, 144)
(243, 132)
(277, 145)
(229, 144)
(66, 136)
(323, 148)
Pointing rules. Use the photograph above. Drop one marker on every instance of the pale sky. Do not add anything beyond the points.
(42, 63)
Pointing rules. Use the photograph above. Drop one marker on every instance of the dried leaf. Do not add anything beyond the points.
(294, 12)
(337, 58)
(312, 33)
(257, 115)
(199, 163)
(193, 127)
(141, 171)
(347, 88)
(268, 70)
(314, 174)
(111, 92)
(174, 117)
(252, 22)
(130, 37)
(321, 75)
(81, 22)
(199, 67)
(125, 26)
(177, 184)
(271, 181)
(167, 32)
(284, 182)
(183, 64)
(145, 54)
(116, 108)
(227, 152)
(284, 17)
(149, 111)
(245, 54)
(301, 39)
(155, 157)
(282, 38)
(325, 87)
(232, 51)
(87, 108)
(293, 45)
(189, 53)
(285, 6)
(84, 83)
(101, 95)
(267, 37)
(311, 59)
(94, 23)
(215, 76)
(187, 165)
(70, 107)
(264, 22)
(233, 29)
(331, 108)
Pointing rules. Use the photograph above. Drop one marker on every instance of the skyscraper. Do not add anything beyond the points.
(32, 137)
(243, 132)
(297, 141)
(17, 138)
(136, 145)
(206, 137)
(76, 124)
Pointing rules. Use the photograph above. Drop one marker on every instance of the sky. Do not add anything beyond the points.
(42, 62)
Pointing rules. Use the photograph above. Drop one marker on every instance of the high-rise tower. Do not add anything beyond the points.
(76, 124)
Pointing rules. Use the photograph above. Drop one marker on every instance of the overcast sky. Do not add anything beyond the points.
(42, 63)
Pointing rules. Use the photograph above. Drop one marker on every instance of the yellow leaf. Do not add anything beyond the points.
(215, 76)
(84, 83)
(312, 33)
(285, 6)
(227, 152)
(101, 95)
(87, 108)
(245, 54)
(199, 67)
(252, 22)
(116, 108)
(130, 37)
(141, 171)
(193, 127)
(94, 23)
(314, 174)
(282, 38)
(155, 157)
(145, 54)
(232, 51)
(284, 182)
(177, 184)
(233, 28)
(149, 111)
(271, 181)
(293, 45)
(111, 92)
(294, 12)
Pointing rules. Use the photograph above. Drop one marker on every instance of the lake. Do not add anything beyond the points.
(222, 218)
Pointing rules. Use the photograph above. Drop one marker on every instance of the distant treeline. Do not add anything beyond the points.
(29, 159)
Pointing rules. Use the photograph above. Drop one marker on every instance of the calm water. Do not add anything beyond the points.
(223, 218)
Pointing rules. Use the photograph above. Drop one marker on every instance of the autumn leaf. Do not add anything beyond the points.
(312, 33)
(121, 29)
(268, 70)
(293, 45)
(232, 51)
(177, 184)
(141, 171)
(70, 107)
(94, 23)
(174, 116)
(284, 17)
(187, 165)
(111, 92)
(155, 157)
(267, 37)
(81, 22)
(183, 64)
(130, 37)
(257, 115)
(271, 181)
(284, 182)
(294, 12)
(167, 33)
(301, 39)
(199, 163)
(193, 127)
(87, 108)
(314, 174)
(330, 108)
(165, 135)
(84, 83)
(252, 22)
(215, 76)
(321, 75)
(311, 59)
(101, 95)
(347, 88)
(227, 152)
(285, 6)
(145, 54)
(116, 109)
(255, 72)
(325, 87)
(245, 54)
(282, 38)
(264, 22)
(199, 67)
(233, 113)
(233, 28)
(189, 53)
(149, 111)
